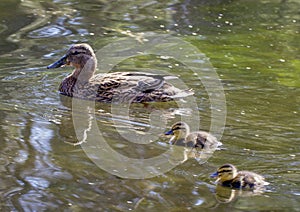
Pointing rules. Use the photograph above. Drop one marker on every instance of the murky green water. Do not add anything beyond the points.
(254, 46)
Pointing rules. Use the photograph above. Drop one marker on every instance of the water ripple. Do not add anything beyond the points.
(50, 31)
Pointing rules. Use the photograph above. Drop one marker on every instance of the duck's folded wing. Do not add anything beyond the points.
(145, 82)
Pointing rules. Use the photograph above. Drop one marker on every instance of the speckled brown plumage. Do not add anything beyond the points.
(227, 175)
(112, 87)
(199, 139)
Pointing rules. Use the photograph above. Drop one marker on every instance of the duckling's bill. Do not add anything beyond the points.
(173, 138)
(214, 175)
(61, 62)
(170, 132)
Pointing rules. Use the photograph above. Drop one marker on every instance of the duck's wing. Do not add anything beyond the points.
(196, 140)
(136, 87)
(138, 81)
(146, 82)
(252, 180)
(202, 139)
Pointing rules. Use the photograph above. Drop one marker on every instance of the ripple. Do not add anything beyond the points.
(38, 182)
(2, 28)
(50, 31)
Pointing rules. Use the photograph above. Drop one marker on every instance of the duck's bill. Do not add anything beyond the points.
(214, 175)
(170, 132)
(61, 62)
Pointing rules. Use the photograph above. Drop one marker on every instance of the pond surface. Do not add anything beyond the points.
(252, 46)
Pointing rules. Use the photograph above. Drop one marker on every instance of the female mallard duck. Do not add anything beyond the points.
(227, 175)
(200, 139)
(111, 87)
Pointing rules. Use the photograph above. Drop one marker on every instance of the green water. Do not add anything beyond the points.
(252, 45)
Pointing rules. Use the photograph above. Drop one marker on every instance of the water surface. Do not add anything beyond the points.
(254, 46)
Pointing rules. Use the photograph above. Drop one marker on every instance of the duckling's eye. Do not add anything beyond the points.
(223, 171)
(177, 128)
(76, 53)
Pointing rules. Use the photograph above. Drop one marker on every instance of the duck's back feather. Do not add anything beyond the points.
(123, 87)
(201, 140)
(246, 180)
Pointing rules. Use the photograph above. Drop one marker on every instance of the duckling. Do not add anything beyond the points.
(112, 87)
(200, 139)
(227, 175)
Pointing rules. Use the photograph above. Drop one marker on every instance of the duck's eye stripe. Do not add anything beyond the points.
(222, 171)
(176, 128)
(75, 53)
(226, 166)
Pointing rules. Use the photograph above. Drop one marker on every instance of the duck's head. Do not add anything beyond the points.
(225, 173)
(82, 57)
(179, 130)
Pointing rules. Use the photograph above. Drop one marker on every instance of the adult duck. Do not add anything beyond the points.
(112, 87)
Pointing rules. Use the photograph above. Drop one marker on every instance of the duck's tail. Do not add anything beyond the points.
(183, 93)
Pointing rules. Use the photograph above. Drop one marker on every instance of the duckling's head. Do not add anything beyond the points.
(179, 130)
(225, 173)
(82, 57)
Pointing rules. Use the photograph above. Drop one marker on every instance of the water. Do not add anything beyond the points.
(254, 46)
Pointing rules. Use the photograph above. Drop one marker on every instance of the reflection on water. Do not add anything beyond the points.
(252, 44)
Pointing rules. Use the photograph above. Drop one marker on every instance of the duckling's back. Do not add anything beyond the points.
(246, 180)
(202, 139)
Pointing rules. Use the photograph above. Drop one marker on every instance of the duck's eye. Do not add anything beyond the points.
(223, 171)
(176, 128)
(76, 53)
